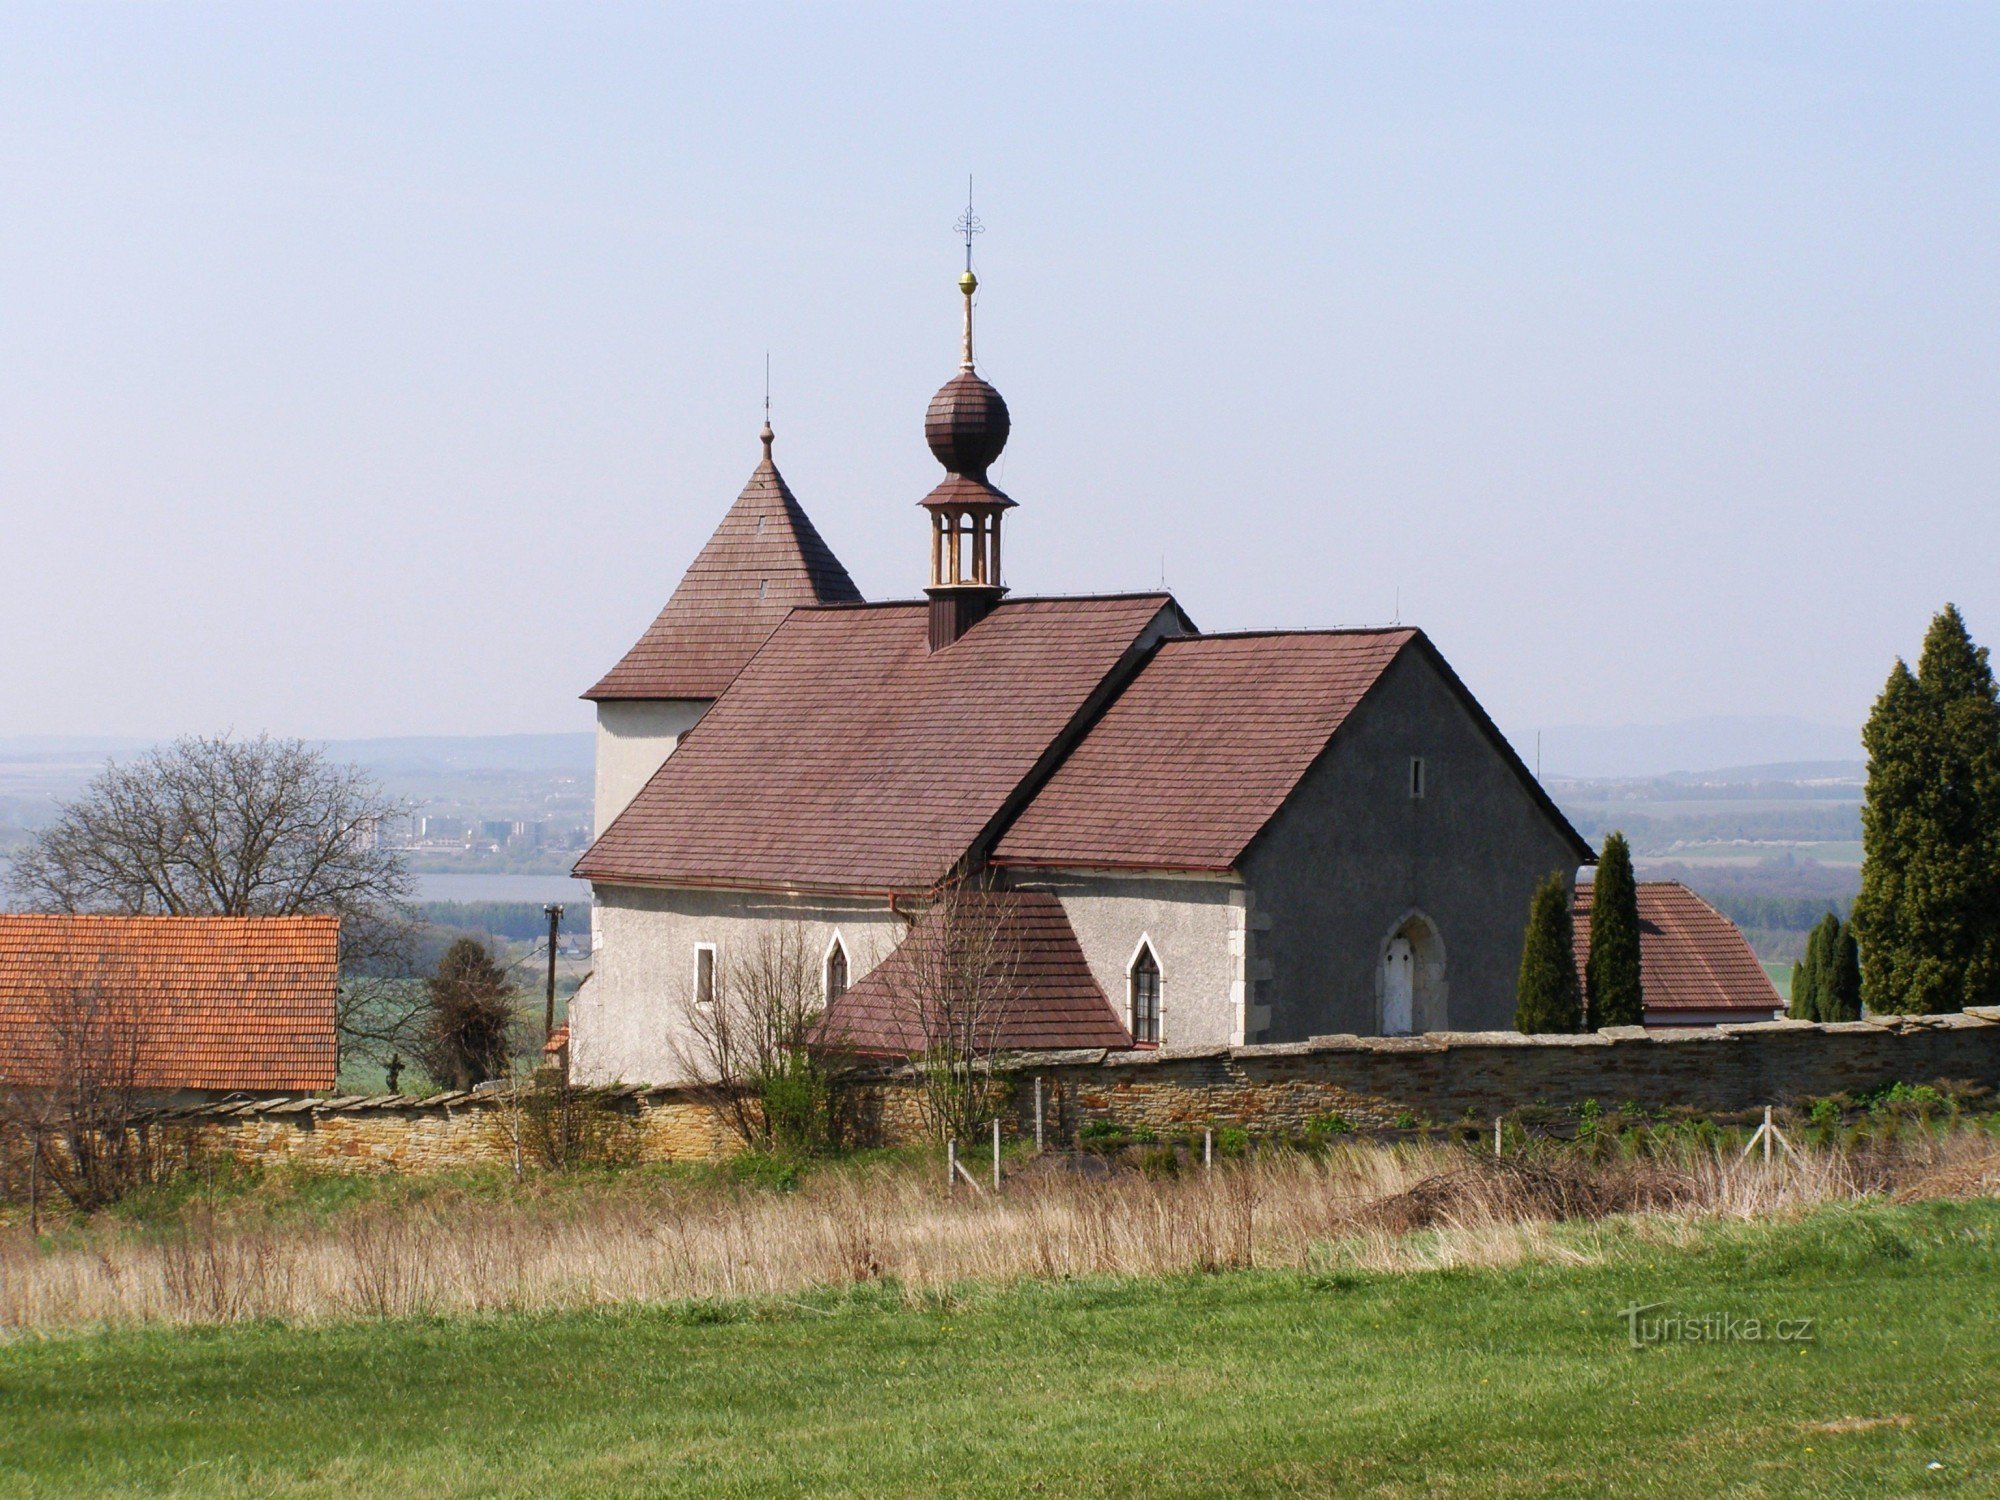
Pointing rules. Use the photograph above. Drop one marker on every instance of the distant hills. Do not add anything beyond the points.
(407, 753)
(1772, 744)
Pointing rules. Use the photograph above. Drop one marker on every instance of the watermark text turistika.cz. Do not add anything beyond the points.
(1654, 1323)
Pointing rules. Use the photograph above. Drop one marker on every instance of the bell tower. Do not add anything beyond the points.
(966, 428)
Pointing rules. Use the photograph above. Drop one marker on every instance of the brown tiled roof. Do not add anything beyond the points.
(1691, 957)
(1200, 751)
(763, 559)
(1044, 995)
(849, 756)
(233, 1003)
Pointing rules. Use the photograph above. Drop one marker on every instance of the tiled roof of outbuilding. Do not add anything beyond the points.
(1691, 957)
(1043, 994)
(228, 1003)
(1200, 751)
(849, 756)
(763, 559)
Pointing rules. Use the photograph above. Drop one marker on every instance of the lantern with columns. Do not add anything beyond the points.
(966, 428)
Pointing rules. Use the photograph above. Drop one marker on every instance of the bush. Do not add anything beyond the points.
(564, 1128)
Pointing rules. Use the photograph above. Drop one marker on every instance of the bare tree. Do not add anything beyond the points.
(72, 1095)
(747, 1044)
(227, 827)
(951, 987)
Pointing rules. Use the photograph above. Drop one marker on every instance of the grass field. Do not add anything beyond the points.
(1511, 1382)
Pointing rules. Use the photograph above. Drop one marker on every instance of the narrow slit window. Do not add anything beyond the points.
(1145, 996)
(1416, 776)
(704, 974)
(836, 972)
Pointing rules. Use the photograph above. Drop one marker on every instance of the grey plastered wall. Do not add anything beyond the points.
(634, 738)
(1351, 855)
(625, 1022)
(1196, 928)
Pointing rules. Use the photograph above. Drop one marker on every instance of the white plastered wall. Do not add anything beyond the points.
(625, 1022)
(1199, 932)
(634, 738)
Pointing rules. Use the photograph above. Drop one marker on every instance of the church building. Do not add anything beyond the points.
(1190, 840)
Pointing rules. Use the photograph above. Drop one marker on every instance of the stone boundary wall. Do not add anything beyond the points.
(1439, 1077)
(1445, 1076)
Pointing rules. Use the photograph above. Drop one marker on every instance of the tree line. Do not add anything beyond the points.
(1924, 932)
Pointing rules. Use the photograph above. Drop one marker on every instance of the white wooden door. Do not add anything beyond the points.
(1399, 988)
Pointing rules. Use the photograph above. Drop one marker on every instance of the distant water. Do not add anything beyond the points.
(471, 887)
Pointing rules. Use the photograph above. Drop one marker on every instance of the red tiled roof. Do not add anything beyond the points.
(1200, 751)
(1045, 996)
(849, 756)
(763, 559)
(233, 1003)
(1691, 957)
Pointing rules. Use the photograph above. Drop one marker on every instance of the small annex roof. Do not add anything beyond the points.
(217, 1003)
(1691, 957)
(763, 559)
(1201, 750)
(1019, 953)
(848, 756)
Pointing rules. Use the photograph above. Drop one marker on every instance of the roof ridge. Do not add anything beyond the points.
(1280, 632)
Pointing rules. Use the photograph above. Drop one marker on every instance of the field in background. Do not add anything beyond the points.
(1511, 1382)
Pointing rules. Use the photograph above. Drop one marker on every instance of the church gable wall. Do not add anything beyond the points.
(634, 739)
(626, 1020)
(1352, 858)
(1196, 931)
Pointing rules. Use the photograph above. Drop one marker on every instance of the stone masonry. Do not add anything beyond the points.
(1440, 1077)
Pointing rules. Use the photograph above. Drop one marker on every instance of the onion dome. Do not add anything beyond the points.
(966, 425)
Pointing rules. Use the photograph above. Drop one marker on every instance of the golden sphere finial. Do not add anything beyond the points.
(968, 283)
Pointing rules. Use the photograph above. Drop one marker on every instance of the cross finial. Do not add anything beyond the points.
(968, 225)
(767, 435)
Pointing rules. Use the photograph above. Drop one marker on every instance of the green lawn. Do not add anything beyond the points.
(1500, 1383)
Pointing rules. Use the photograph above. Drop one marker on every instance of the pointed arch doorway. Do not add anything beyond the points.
(1410, 979)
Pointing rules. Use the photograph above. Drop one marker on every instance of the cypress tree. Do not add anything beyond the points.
(1805, 977)
(1611, 974)
(1818, 967)
(1840, 977)
(1549, 996)
(1928, 916)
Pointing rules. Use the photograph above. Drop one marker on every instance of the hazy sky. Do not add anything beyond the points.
(377, 369)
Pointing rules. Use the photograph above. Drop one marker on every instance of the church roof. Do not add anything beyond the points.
(1205, 745)
(1018, 949)
(847, 755)
(763, 559)
(1200, 751)
(1692, 959)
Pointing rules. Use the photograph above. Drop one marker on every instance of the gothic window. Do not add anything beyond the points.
(1145, 987)
(836, 970)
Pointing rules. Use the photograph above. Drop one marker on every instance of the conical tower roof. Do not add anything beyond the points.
(764, 559)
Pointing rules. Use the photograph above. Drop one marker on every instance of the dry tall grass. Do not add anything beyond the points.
(1407, 1207)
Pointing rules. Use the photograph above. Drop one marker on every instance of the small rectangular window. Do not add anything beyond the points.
(704, 974)
(1416, 776)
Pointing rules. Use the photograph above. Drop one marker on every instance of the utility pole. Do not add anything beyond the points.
(554, 914)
